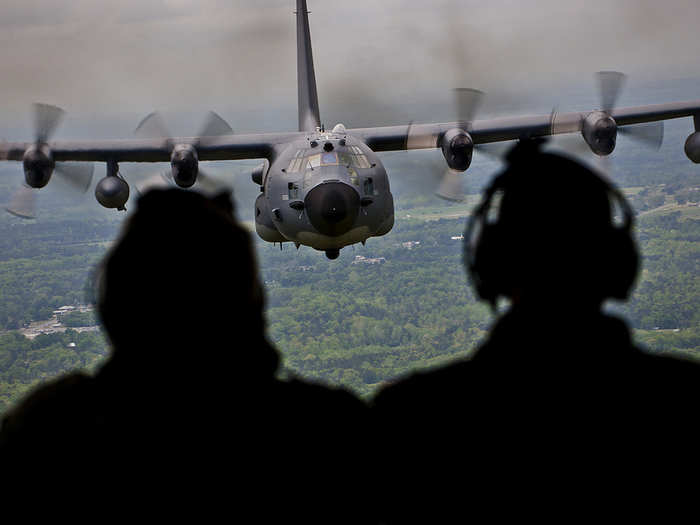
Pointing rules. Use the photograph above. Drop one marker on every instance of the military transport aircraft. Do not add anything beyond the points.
(327, 188)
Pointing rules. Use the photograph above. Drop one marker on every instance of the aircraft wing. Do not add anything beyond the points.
(223, 147)
(420, 136)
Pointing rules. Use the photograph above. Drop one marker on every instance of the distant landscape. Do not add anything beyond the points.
(400, 303)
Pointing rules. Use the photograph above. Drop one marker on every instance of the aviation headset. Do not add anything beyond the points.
(489, 254)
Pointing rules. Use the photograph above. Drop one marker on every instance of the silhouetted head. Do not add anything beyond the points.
(551, 231)
(181, 284)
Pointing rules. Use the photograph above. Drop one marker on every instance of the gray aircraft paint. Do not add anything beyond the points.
(309, 118)
(370, 208)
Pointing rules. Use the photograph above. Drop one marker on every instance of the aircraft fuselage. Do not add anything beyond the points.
(327, 190)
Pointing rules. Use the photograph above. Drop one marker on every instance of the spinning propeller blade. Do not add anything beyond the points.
(46, 120)
(77, 175)
(153, 126)
(610, 84)
(23, 203)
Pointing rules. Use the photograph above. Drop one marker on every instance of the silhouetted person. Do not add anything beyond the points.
(556, 415)
(186, 418)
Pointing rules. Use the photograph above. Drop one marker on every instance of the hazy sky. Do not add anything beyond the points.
(105, 58)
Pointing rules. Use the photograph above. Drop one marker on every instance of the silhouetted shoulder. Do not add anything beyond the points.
(317, 394)
(584, 361)
(47, 419)
(309, 406)
(420, 389)
(667, 376)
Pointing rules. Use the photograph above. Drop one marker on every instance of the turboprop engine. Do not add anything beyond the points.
(600, 132)
(38, 165)
(457, 147)
(184, 164)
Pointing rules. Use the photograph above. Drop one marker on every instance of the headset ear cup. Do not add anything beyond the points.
(488, 272)
(619, 255)
(624, 265)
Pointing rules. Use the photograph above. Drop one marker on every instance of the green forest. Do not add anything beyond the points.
(400, 303)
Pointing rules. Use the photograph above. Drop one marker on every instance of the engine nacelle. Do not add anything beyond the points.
(112, 192)
(184, 164)
(692, 147)
(258, 174)
(38, 165)
(600, 132)
(264, 226)
(457, 147)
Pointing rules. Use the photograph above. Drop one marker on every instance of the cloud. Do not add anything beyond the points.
(97, 57)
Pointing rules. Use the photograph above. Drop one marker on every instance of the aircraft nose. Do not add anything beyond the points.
(332, 207)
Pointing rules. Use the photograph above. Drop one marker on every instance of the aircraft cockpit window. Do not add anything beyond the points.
(329, 159)
(361, 161)
(314, 161)
(297, 162)
(354, 158)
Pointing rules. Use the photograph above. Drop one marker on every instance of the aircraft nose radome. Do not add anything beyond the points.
(332, 207)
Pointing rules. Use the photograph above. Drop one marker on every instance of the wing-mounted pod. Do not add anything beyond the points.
(264, 226)
(260, 172)
(692, 144)
(112, 191)
(692, 147)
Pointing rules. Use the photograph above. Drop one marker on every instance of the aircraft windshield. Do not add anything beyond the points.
(314, 161)
(353, 158)
(297, 162)
(329, 159)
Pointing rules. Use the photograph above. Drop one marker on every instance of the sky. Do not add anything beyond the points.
(106, 61)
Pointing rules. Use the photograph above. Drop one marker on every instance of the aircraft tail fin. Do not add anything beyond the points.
(309, 118)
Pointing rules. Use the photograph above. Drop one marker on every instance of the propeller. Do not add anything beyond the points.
(450, 185)
(23, 203)
(153, 126)
(466, 104)
(46, 120)
(76, 175)
(610, 85)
